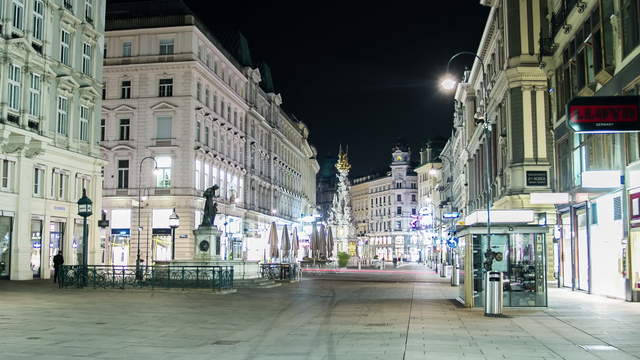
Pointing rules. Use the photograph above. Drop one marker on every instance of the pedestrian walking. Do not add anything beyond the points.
(58, 260)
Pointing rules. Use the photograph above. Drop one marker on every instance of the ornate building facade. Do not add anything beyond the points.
(384, 206)
(202, 114)
(51, 71)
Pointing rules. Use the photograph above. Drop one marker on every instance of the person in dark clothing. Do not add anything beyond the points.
(58, 260)
(395, 261)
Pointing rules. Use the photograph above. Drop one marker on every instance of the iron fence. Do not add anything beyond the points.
(279, 271)
(165, 276)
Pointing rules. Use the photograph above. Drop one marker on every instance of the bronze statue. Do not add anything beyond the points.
(210, 208)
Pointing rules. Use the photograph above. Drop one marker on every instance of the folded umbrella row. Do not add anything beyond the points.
(322, 243)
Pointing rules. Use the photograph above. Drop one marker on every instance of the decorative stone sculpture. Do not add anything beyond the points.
(210, 208)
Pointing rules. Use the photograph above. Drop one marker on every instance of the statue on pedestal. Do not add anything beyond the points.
(210, 208)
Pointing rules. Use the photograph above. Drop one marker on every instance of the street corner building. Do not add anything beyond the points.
(560, 211)
(383, 207)
(185, 109)
(51, 75)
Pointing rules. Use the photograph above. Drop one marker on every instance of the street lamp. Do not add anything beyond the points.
(174, 222)
(449, 84)
(482, 118)
(85, 209)
(155, 172)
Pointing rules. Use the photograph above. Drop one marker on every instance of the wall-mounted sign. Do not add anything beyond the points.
(537, 178)
(634, 205)
(451, 215)
(600, 114)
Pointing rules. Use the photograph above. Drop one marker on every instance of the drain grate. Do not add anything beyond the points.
(227, 342)
(598, 347)
(377, 324)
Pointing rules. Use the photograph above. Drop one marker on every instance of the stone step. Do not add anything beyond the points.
(255, 283)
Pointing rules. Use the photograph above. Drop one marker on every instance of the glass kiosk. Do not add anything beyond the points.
(522, 263)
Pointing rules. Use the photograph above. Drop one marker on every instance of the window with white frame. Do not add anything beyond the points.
(123, 174)
(38, 181)
(61, 180)
(62, 115)
(6, 174)
(126, 89)
(15, 89)
(65, 44)
(17, 8)
(87, 54)
(126, 49)
(163, 127)
(35, 94)
(163, 177)
(198, 166)
(88, 11)
(125, 129)
(84, 123)
(166, 87)
(207, 174)
(166, 46)
(103, 129)
(38, 19)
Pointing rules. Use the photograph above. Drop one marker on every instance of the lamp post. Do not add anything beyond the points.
(493, 301)
(155, 170)
(449, 83)
(85, 209)
(174, 223)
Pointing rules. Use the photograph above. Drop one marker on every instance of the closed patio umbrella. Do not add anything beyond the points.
(322, 243)
(273, 242)
(295, 244)
(330, 243)
(285, 244)
(314, 242)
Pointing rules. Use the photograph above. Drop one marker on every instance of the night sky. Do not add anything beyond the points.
(359, 74)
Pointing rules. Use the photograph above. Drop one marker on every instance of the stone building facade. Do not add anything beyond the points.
(51, 73)
(384, 207)
(204, 115)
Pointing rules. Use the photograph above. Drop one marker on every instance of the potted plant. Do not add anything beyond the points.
(343, 259)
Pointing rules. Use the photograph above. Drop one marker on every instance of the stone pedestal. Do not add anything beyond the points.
(207, 246)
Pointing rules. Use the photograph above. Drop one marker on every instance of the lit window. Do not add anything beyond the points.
(163, 178)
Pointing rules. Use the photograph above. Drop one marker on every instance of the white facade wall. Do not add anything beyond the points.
(224, 131)
(48, 132)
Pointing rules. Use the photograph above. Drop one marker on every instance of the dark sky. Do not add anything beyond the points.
(361, 73)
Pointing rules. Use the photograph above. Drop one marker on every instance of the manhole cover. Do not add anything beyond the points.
(598, 347)
(227, 342)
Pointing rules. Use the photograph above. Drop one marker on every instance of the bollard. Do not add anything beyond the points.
(455, 276)
(441, 269)
(493, 301)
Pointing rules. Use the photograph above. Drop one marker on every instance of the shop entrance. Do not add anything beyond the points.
(161, 244)
(56, 241)
(566, 251)
(582, 250)
(120, 240)
(36, 248)
(6, 227)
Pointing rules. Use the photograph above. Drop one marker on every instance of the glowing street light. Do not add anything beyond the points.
(448, 83)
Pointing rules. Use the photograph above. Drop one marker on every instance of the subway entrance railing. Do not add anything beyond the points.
(280, 271)
(157, 276)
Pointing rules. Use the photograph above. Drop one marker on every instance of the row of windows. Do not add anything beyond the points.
(14, 84)
(387, 211)
(379, 201)
(37, 8)
(385, 226)
(59, 181)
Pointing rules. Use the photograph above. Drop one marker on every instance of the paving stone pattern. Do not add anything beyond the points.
(353, 316)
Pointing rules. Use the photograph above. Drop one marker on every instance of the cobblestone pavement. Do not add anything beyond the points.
(403, 313)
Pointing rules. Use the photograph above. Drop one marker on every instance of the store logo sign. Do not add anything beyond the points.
(602, 114)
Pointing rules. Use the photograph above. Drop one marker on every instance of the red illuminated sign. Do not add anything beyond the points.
(604, 114)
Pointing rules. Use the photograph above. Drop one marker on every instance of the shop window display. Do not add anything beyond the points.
(5, 246)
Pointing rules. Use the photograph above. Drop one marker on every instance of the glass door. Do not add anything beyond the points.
(566, 251)
(5, 246)
(56, 241)
(582, 256)
(36, 247)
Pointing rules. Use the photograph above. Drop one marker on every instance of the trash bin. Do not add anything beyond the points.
(455, 276)
(493, 298)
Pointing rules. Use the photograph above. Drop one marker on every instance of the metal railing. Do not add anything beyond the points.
(279, 271)
(165, 276)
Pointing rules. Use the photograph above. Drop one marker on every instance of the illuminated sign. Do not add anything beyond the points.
(451, 215)
(537, 178)
(596, 114)
(601, 179)
(549, 198)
